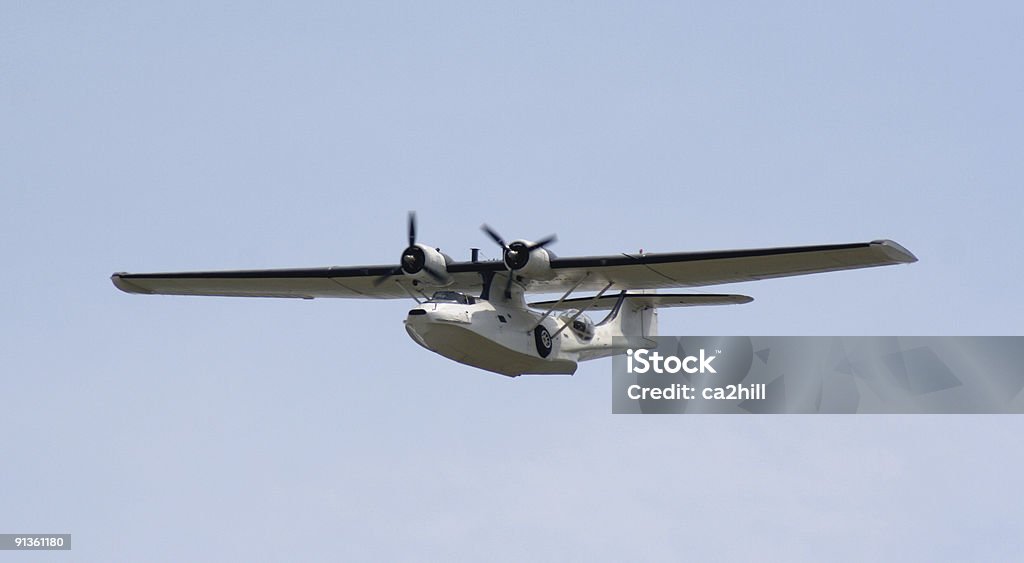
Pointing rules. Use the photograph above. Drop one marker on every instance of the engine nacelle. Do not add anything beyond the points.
(532, 264)
(426, 265)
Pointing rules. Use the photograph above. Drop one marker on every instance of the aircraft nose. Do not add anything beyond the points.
(420, 316)
(417, 317)
(417, 325)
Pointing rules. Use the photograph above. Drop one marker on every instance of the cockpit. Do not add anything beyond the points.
(452, 297)
(581, 326)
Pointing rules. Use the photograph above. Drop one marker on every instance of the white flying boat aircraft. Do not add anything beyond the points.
(476, 312)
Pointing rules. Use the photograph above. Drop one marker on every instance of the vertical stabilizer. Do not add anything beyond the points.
(632, 319)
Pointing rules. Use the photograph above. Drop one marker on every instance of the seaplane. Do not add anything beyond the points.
(476, 312)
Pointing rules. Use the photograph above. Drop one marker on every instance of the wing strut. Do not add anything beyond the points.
(580, 312)
(410, 293)
(560, 300)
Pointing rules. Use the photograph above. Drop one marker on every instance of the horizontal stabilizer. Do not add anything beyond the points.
(656, 300)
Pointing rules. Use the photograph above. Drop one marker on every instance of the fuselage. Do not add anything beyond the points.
(505, 338)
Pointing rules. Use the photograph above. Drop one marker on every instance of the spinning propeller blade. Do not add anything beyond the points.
(396, 272)
(412, 228)
(494, 236)
(542, 242)
(437, 276)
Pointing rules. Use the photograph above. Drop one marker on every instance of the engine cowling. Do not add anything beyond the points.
(523, 259)
(533, 264)
(425, 264)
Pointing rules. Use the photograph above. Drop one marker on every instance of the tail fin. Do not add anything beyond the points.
(635, 320)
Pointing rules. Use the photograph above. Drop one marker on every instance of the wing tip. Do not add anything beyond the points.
(894, 250)
(126, 286)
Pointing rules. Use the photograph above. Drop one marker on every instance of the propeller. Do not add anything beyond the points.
(412, 228)
(515, 255)
(494, 236)
(413, 259)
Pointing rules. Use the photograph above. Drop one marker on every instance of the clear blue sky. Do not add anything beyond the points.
(144, 137)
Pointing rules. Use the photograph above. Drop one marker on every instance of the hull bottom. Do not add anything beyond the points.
(467, 347)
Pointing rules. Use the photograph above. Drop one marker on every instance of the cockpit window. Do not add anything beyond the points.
(451, 297)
